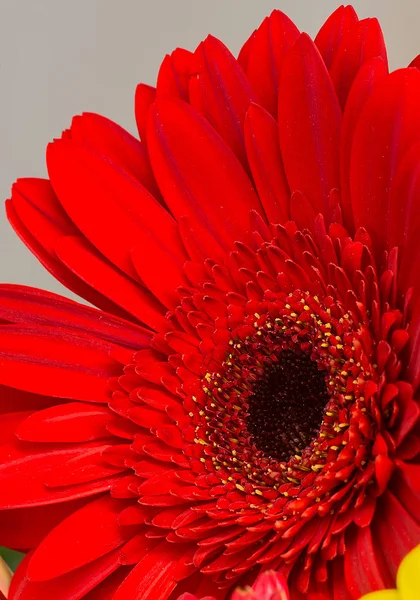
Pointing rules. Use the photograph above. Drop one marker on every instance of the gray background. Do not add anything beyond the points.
(61, 57)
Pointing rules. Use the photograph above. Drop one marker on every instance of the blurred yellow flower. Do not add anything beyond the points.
(5, 577)
(408, 581)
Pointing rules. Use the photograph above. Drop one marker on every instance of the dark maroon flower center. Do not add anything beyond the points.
(287, 405)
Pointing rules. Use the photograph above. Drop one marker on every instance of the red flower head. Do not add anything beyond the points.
(248, 399)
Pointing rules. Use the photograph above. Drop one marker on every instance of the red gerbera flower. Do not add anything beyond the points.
(249, 399)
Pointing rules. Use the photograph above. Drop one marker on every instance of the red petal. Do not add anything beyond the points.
(155, 576)
(72, 586)
(174, 75)
(72, 422)
(395, 530)
(57, 269)
(38, 208)
(264, 156)
(309, 125)
(82, 537)
(364, 565)
(56, 362)
(369, 76)
(415, 62)
(20, 400)
(360, 44)
(114, 211)
(145, 96)
(150, 261)
(115, 143)
(267, 50)
(221, 92)
(24, 528)
(210, 189)
(332, 32)
(85, 262)
(24, 468)
(21, 304)
(388, 126)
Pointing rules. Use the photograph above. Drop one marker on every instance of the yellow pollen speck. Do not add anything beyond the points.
(306, 307)
(240, 487)
(190, 414)
(259, 492)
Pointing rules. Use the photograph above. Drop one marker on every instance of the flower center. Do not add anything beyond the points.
(287, 405)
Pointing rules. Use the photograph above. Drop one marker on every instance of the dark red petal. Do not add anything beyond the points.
(309, 124)
(264, 156)
(415, 62)
(388, 126)
(393, 522)
(332, 32)
(25, 528)
(364, 565)
(210, 189)
(21, 401)
(268, 47)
